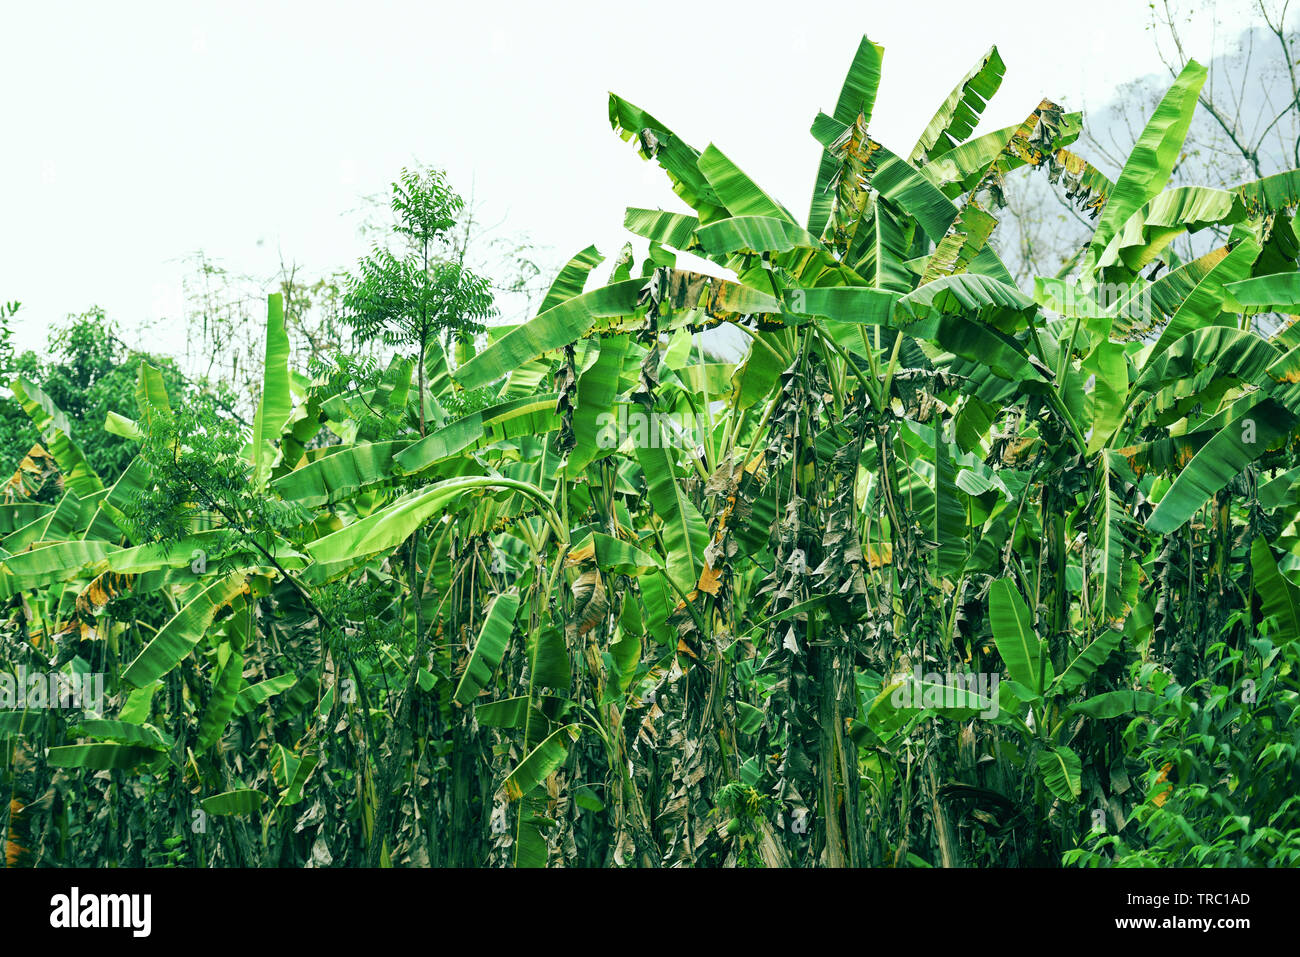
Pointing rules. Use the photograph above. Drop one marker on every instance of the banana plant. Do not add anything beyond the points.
(591, 590)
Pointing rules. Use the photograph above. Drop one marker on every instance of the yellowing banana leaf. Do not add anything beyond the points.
(539, 763)
(1272, 194)
(612, 554)
(53, 425)
(857, 98)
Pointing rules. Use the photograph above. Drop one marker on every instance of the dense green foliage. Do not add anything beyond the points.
(87, 373)
(942, 572)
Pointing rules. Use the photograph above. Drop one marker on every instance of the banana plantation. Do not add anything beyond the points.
(933, 570)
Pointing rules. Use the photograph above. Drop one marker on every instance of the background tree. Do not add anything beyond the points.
(89, 371)
(7, 311)
(1246, 126)
(423, 294)
(519, 269)
(421, 297)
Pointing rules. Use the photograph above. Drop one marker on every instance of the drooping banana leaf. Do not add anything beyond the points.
(100, 757)
(684, 530)
(253, 695)
(598, 387)
(340, 474)
(1279, 596)
(738, 193)
(1277, 293)
(1273, 194)
(392, 525)
(184, 630)
(550, 330)
(498, 624)
(1253, 426)
(53, 425)
(1085, 664)
(679, 160)
(540, 762)
(1145, 234)
(221, 701)
(239, 802)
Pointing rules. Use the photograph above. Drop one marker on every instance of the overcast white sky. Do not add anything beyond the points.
(135, 134)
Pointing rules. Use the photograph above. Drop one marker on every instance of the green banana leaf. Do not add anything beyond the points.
(498, 625)
(1013, 633)
(1151, 161)
(185, 629)
(957, 118)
